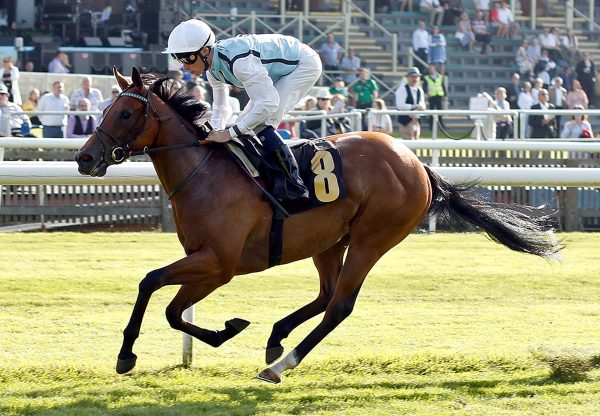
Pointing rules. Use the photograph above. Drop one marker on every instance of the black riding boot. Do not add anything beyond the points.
(276, 147)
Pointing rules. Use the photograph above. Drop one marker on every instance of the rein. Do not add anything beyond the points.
(122, 152)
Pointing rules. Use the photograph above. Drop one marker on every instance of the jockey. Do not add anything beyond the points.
(275, 70)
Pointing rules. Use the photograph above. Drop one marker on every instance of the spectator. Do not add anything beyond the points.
(544, 125)
(452, 11)
(199, 93)
(557, 95)
(549, 40)
(330, 53)
(578, 127)
(482, 35)
(409, 96)
(29, 66)
(534, 51)
(31, 104)
(420, 44)
(464, 32)
(483, 6)
(538, 84)
(310, 103)
(494, 22)
(507, 25)
(54, 101)
(313, 128)
(513, 91)
(81, 125)
(435, 90)
(545, 68)
(567, 77)
(10, 78)
(115, 90)
(586, 73)
(406, 4)
(525, 102)
(434, 10)
(86, 91)
(350, 65)
(382, 122)
(504, 127)
(524, 62)
(338, 103)
(577, 96)
(364, 91)
(10, 122)
(569, 48)
(437, 49)
(60, 63)
(339, 87)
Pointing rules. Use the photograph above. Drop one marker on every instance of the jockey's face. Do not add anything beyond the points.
(198, 67)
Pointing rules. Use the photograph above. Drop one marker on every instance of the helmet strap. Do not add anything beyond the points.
(205, 58)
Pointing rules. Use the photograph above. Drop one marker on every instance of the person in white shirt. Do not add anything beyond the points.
(350, 65)
(275, 70)
(574, 128)
(60, 64)
(9, 120)
(420, 44)
(382, 122)
(330, 53)
(434, 9)
(557, 95)
(504, 121)
(54, 101)
(549, 40)
(115, 90)
(10, 78)
(506, 21)
(525, 101)
(410, 96)
(86, 91)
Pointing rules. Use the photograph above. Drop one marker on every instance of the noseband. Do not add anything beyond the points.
(120, 152)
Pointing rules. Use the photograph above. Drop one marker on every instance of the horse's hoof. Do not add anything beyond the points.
(273, 354)
(269, 376)
(237, 324)
(125, 365)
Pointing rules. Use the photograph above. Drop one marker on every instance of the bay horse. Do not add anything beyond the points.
(223, 221)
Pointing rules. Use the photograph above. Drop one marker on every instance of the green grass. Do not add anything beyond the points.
(445, 325)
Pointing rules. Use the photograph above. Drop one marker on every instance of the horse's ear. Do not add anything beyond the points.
(120, 78)
(136, 77)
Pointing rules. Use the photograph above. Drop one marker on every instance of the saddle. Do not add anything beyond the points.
(319, 164)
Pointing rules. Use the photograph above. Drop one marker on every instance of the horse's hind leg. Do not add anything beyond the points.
(187, 296)
(363, 253)
(329, 264)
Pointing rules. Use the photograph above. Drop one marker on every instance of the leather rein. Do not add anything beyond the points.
(117, 154)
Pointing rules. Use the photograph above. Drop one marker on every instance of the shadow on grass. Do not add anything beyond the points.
(173, 391)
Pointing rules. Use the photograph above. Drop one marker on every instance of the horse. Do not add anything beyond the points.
(223, 221)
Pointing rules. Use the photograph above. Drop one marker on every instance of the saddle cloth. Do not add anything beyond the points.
(319, 163)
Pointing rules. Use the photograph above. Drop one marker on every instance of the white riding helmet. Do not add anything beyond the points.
(190, 36)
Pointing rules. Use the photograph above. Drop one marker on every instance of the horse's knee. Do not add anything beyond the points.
(152, 282)
(173, 315)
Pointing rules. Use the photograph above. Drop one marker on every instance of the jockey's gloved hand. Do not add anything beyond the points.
(219, 136)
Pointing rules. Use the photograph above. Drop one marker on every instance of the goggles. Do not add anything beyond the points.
(186, 58)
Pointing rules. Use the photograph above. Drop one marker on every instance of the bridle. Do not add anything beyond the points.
(117, 154)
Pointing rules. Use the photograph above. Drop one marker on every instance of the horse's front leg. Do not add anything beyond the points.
(201, 270)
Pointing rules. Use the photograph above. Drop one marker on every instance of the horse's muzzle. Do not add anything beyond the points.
(89, 165)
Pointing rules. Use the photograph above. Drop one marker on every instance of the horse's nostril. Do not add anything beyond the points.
(85, 158)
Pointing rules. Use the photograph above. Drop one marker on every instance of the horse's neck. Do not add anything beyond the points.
(173, 166)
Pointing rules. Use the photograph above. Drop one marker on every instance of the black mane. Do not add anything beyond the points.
(181, 101)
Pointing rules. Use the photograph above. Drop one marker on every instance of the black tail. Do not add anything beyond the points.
(519, 228)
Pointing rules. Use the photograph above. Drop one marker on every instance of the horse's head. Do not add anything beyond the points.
(128, 125)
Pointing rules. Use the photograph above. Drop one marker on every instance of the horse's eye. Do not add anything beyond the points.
(125, 114)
